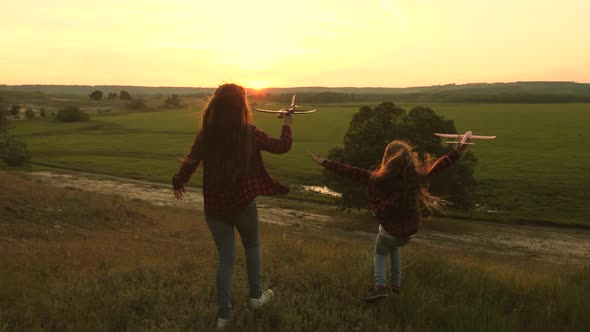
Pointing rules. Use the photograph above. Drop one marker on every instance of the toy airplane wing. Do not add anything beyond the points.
(269, 111)
(460, 136)
(448, 135)
(449, 142)
(481, 137)
(284, 111)
(298, 111)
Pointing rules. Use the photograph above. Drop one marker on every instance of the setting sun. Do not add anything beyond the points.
(257, 84)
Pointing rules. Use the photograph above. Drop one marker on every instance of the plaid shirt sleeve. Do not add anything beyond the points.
(274, 145)
(443, 163)
(353, 173)
(189, 164)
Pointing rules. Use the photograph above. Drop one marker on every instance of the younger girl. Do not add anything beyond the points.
(397, 194)
(233, 175)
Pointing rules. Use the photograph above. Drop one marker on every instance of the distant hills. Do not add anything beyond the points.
(87, 89)
(514, 92)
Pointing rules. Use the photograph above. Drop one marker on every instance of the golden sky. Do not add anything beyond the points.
(297, 43)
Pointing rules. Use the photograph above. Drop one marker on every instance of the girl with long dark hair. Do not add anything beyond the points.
(229, 147)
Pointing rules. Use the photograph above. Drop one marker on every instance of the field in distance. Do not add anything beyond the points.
(537, 169)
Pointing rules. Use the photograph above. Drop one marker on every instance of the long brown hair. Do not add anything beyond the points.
(226, 127)
(403, 173)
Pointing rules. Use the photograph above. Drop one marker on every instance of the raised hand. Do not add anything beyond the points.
(319, 160)
(287, 118)
(462, 147)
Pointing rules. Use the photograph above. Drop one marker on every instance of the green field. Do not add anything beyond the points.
(537, 169)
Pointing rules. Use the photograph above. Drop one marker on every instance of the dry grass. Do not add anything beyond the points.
(72, 260)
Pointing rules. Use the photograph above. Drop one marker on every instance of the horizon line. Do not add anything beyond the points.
(291, 87)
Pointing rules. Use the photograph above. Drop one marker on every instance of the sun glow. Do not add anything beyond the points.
(257, 84)
(388, 43)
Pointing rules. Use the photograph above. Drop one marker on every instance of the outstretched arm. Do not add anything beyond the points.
(189, 165)
(274, 145)
(446, 161)
(354, 173)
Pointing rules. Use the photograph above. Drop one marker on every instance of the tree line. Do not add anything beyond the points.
(137, 104)
(434, 97)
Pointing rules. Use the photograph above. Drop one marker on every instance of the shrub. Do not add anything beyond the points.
(29, 113)
(172, 102)
(96, 95)
(14, 110)
(14, 153)
(137, 105)
(3, 121)
(71, 114)
(124, 95)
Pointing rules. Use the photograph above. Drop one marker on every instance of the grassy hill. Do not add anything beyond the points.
(76, 261)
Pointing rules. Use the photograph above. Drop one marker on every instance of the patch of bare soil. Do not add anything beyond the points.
(568, 246)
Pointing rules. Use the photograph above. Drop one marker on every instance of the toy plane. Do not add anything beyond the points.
(464, 138)
(293, 109)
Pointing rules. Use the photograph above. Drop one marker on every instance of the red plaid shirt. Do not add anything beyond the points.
(222, 202)
(384, 206)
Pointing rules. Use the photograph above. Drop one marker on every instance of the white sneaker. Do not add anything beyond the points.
(264, 299)
(222, 323)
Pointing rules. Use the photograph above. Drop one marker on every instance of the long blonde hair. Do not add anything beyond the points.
(401, 172)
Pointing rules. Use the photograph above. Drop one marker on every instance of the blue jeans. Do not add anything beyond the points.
(385, 246)
(222, 229)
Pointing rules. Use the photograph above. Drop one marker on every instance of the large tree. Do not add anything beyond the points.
(371, 129)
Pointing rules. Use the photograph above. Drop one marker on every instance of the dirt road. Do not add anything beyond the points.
(558, 245)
